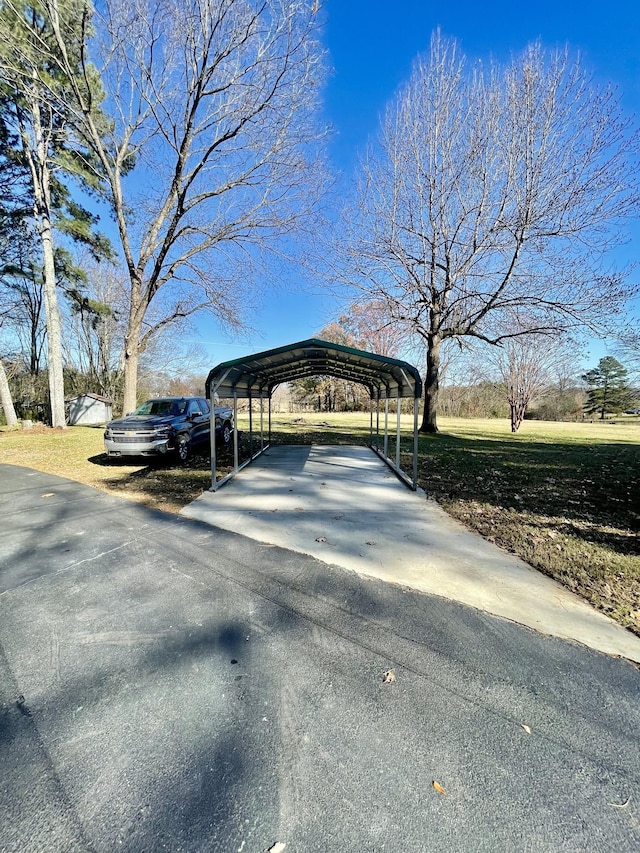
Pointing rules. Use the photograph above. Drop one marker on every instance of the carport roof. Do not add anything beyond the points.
(258, 374)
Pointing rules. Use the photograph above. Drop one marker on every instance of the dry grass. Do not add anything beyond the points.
(78, 453)
(564, 497)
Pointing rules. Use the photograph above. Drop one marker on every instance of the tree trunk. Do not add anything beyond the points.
(132, 346)
(131, 356)
(431, 385)
(5, 398)
(54, 335)
(605, 400)
(517, 415)
(37, 157)
(42, 204)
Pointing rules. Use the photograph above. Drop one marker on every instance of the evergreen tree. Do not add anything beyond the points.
(41, 140)
(609, 391)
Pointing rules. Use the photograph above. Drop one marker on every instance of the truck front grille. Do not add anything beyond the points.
(122, 438)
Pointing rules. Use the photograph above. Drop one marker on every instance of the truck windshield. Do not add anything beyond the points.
(162, 407)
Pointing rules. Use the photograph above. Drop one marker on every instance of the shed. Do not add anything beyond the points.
(89, 409)
(254, 377)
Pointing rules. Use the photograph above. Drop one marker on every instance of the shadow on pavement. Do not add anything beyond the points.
(188, 689)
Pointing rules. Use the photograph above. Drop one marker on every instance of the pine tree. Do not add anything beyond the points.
(609, 391)
(38, 114)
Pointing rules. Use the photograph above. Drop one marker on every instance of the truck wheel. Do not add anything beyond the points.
(225, 435)
(183, 448)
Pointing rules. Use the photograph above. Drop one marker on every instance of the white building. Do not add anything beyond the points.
(89, 409)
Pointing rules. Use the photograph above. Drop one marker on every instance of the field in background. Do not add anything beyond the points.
(564, 497)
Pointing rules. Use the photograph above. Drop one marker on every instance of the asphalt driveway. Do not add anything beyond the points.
(166, 685)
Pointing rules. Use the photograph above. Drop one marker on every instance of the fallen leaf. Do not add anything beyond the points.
(388, 676)
(48, 494)
(320, 539)
(278, 847)
(372, 543)
(526, 728)
(621, 805)
(438, 787)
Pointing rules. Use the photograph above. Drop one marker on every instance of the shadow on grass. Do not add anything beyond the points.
(593, 483)
(163, 480)
(110, 461)
(587, 491)
(570, 509)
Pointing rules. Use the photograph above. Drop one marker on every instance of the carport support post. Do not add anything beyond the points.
(415, 443)
(235, 430)
(378, 419)
(261, 422)
(269, 416)
(370, 417)
(386, 427)
(250, 425)
(212, 414)
(398, 431)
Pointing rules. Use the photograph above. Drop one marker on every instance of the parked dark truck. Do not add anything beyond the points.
(167, 425)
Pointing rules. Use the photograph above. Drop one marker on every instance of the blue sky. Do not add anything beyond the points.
(372, 45)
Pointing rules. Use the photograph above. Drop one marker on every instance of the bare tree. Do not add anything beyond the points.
(329, 392)
(213, 104)
(528, 366)
(21, 299)
(97, 322)
(172, 357)
(21, 282)
(628, 348)
(374, 328)
(494, 190)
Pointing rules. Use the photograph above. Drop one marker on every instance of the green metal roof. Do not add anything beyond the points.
(258, 374)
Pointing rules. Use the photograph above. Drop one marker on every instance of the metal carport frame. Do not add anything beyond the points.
(255, 376)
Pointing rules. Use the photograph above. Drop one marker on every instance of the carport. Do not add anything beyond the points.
(255, 377)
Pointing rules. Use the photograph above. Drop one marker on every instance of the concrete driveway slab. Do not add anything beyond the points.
(345, 507)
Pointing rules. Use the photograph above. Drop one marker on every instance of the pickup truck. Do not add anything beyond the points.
(167, 425)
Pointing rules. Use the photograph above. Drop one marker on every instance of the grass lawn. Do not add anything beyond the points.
(564, 497)
(78, 453)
